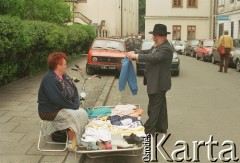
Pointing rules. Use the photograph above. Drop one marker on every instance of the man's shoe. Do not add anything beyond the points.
(219, 71)
(133, 139)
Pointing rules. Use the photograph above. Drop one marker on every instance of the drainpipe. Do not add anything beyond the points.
(211, 20)
(121, 18)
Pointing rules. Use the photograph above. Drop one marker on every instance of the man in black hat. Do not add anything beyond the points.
(157, 78)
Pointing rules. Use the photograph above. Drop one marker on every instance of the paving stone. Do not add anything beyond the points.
(9, 103)
(72, 158)
(34, 151)
(26, 127)
(11, 115)
(8, 127)
(14, 107)
(19, 158)
(9, 97)
(26, 119)
(2, 112)
(52, 159)
(8, 148)
(11, 137)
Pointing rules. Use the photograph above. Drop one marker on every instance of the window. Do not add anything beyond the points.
(192, 3)
(221, 2)
(176, 3)
(220, 31)
(191, 32)
(176, 32)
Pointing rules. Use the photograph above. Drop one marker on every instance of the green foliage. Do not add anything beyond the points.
(54, 11)
(25, 45)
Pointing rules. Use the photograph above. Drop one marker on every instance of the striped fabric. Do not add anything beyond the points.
(68, 118)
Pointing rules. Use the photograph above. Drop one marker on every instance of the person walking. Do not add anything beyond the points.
(226, 41)
(157, 77)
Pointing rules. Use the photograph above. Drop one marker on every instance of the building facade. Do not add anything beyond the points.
(185, 19)
(110, 17)
(228, 17)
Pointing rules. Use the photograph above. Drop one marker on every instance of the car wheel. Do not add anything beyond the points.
(138, 72)
(213, 60)
(197, 57)
(185, 53)
(177, 73)
(191, 54)
(89, 70)
(238, 65)
(204, 59)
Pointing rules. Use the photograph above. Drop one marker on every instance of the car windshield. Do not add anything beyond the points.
(208, 43)
(108, 44)
(178, 43)
(194, 42)
(147, 45)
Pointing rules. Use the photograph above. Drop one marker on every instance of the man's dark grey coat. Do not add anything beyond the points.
(158, 68)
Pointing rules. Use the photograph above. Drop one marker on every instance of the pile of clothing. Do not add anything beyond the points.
(113, 128)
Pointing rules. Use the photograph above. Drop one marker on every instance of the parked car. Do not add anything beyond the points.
(204, 50)
(145, 48)
(236, 53)
(179, 46)
(190, 47)
(216, 56)
(105, 54)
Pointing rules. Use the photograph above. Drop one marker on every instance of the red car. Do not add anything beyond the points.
(204, 50)
(105, 54)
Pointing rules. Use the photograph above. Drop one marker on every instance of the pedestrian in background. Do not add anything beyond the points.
(226, 41)
(157, 77)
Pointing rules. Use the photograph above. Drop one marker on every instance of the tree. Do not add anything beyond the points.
(54, 11)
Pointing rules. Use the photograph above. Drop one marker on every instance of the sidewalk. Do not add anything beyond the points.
(19, 120)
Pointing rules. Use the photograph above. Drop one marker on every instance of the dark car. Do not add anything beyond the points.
(204, 50)
(216, 56)
(105, 54)
(190, 47)
(145, 48)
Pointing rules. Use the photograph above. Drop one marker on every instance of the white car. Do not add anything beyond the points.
(179, 46)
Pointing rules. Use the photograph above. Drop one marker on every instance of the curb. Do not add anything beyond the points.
(102, 98)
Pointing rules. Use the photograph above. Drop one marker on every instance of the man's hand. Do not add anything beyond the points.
(131, 55)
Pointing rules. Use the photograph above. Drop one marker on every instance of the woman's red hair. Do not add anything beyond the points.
(55, 58)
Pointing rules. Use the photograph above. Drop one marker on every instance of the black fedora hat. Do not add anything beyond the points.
(160, 29)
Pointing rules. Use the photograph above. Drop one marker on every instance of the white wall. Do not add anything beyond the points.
(232, 10)
(110, 11)
(161, 11)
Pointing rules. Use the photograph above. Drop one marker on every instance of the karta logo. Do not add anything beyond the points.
(182, 152)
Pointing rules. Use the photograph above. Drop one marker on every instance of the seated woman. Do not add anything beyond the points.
(58, 100)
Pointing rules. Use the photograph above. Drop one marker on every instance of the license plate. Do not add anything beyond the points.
(108, 67)
(111, 67)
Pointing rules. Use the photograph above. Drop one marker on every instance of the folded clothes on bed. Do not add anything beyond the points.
(98, 112)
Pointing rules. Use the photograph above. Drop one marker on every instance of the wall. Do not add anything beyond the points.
(161, 11)
(110, 11)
